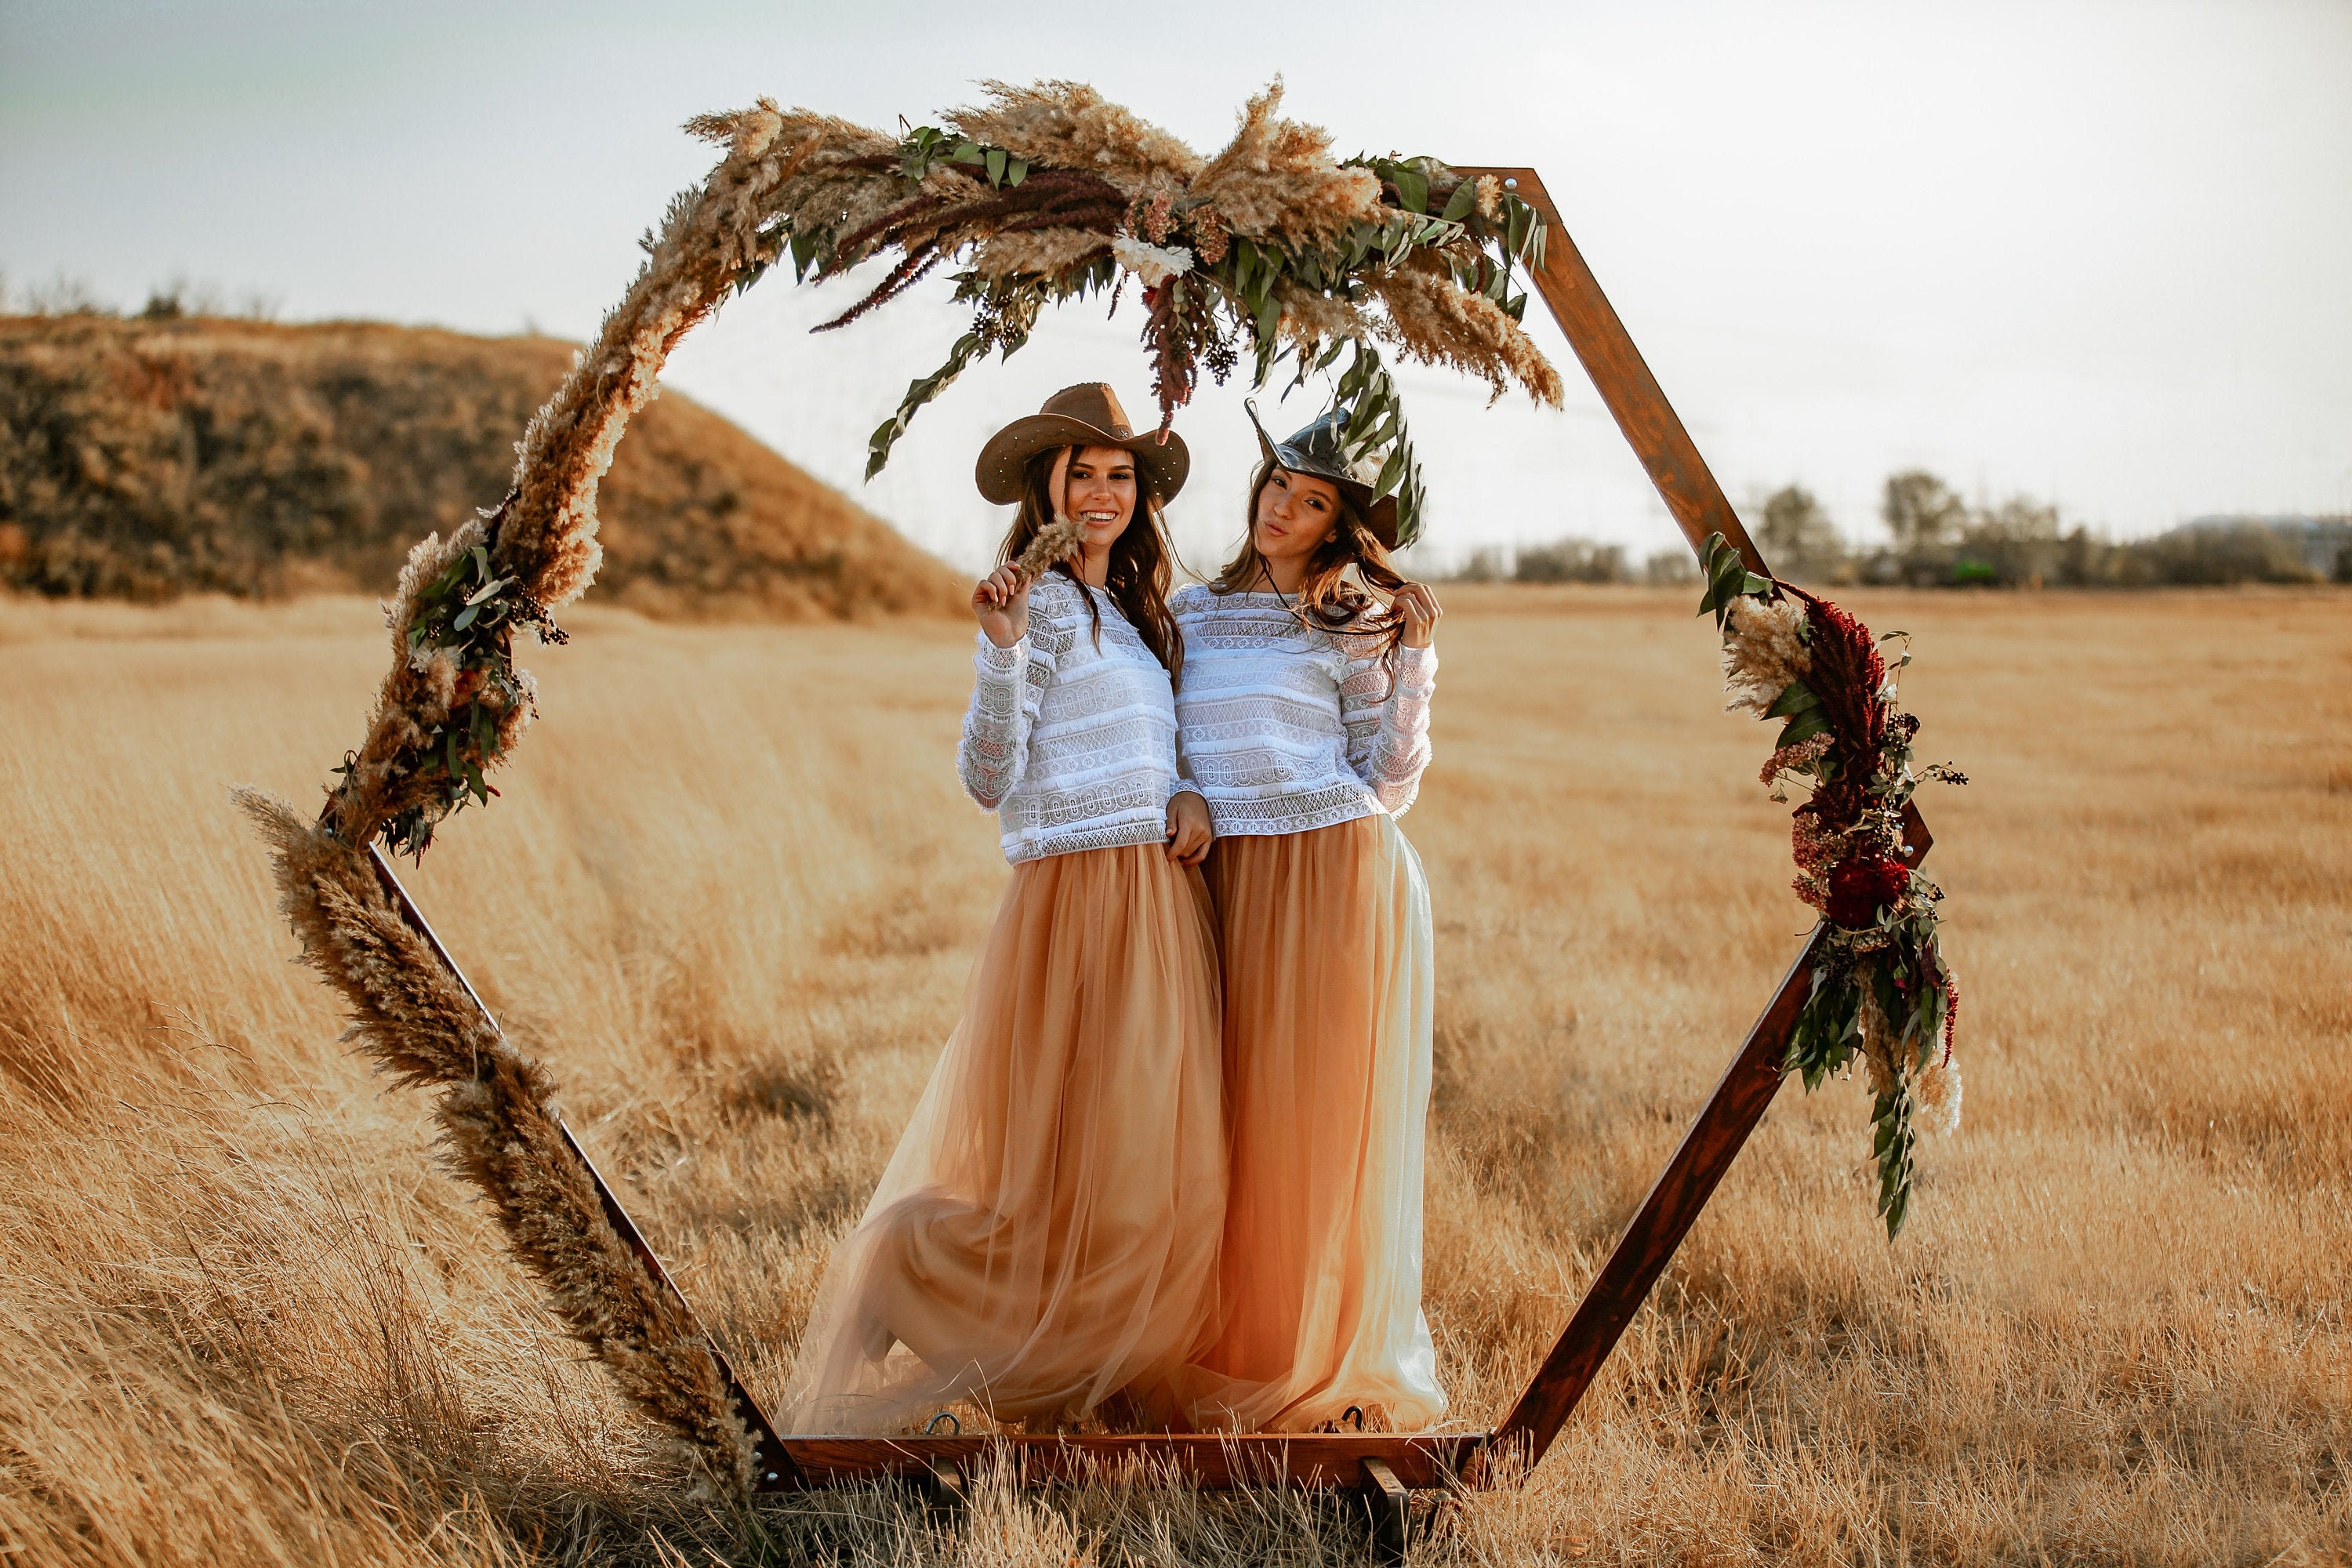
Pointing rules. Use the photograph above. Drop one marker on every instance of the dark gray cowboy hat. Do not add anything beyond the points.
(1319, 451)
(1087, 414)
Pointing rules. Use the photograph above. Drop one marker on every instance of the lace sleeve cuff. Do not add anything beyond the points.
(995, 661)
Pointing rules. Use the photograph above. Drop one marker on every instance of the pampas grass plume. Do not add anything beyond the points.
(1059, 541)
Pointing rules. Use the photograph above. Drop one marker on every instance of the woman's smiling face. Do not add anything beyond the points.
(1296, 513)
(1098, 492)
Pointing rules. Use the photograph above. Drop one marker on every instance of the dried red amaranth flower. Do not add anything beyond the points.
(1861, 886)
(1846, 676)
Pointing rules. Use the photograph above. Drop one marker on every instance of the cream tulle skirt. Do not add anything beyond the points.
(1046, 1237)
(1327, 1051)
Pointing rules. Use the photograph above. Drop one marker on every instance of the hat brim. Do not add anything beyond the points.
(1162, 466)
(1380, 512)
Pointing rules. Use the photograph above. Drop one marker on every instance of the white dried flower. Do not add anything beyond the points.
(1763, 650)
(1155, 264)
(1937, 1091)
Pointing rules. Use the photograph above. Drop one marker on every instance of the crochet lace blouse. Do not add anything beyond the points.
(1073, 746)
(1287, 728)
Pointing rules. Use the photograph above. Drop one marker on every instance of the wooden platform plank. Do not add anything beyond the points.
(1213, 1461)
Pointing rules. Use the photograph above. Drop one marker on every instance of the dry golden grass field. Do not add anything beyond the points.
(730, 895)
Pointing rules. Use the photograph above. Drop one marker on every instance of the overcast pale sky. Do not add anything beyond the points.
(2093, 250)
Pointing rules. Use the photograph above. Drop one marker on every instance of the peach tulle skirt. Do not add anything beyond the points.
(1328, 986)
(1045, 1236)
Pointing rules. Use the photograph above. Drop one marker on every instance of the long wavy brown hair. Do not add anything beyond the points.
(1141, 565)
(1328, 599)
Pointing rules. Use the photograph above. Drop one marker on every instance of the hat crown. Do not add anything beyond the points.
(1323, 448)
(1087, 414)
(1091, 403)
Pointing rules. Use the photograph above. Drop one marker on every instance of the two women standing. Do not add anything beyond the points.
(1143, 1181)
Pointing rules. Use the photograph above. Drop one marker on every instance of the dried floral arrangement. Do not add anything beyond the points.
(1273, 247)
(1046, 194)
(1880, 989)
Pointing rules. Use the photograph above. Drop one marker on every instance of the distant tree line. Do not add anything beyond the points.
(67, 294)
(1934, 539)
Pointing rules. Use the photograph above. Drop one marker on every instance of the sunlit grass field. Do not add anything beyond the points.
(730, 895)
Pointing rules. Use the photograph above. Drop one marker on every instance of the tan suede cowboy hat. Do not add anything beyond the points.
(1087, 414)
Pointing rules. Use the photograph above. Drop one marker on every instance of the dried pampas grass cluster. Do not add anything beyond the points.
(1438, 323)
(1273, 246)
(452, 706)
(1070, 125)
(1763, 653)
(1277, 181)
(1059, 541)
(500, 1132)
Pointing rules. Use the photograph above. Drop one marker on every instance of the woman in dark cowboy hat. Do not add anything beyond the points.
(1308, 665)
(1045, 1239)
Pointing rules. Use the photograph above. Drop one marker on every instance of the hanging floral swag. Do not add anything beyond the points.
(1881, 988)
(1050, 193)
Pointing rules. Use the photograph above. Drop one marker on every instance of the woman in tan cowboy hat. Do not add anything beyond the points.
(1045, 1239)
(1308, 666)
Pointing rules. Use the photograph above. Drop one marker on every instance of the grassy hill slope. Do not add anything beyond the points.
(142, 459)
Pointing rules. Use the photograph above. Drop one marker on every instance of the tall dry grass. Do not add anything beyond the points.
(730, 895)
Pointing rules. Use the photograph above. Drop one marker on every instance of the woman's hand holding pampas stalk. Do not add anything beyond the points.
(1002, 598)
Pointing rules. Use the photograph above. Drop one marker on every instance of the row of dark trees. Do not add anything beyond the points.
(1936, 539)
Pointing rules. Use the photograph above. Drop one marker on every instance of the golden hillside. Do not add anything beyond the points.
(147, 459)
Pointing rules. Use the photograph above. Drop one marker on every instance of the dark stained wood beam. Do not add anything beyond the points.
(1389, 1503)
(771, 1467)
(1659, 1226)
(1688, 488)
(1622, 378)
(1215, 1462)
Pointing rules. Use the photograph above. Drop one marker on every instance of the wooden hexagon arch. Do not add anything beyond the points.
(420, 1018)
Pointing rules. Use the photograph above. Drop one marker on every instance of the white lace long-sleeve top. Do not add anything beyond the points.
(1287, 728)
(1072, 745)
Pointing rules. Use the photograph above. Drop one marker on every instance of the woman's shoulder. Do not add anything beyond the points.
(1193, 599)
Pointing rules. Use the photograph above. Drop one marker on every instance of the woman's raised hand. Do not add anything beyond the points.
(1419, 607)
(1000, 601)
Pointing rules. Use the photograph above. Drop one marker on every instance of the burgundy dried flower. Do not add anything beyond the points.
(1861, 886)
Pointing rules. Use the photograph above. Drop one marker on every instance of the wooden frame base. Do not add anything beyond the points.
(1382, 1466)
(1214, 1462)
